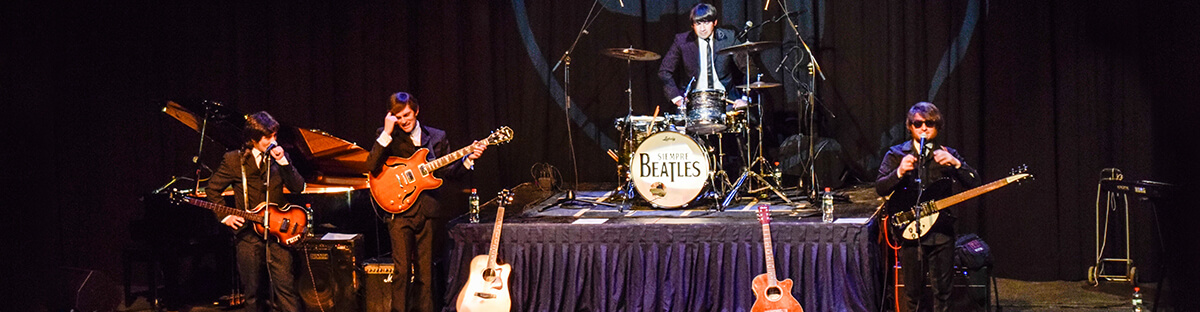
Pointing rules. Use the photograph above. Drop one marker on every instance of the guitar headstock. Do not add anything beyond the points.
(504, 197)
(1019, 173)
(499, 136)
(176, 197)
(764, 214)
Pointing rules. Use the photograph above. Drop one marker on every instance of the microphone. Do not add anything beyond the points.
(746, 30)
(272, 146)
(921, 150)
(785, 56)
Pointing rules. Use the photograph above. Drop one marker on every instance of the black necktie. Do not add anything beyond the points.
(708, 42)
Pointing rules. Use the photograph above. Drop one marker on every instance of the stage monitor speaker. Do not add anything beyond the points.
(377, 291)
(793, 160)
(969, 293)
(329, 276)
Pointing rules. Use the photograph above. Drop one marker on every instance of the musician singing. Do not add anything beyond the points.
(411, 231)
(246, 170)
(938, 166)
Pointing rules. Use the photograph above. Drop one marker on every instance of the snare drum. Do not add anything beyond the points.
(706, 111)
(670, 169)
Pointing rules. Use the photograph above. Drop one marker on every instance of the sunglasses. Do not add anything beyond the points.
(919, 123)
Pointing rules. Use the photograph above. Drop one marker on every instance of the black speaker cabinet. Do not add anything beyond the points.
(329, 277)
(969, 293)
(377, 291)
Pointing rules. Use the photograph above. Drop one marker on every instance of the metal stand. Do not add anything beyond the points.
(1096, 273)
(748, 170)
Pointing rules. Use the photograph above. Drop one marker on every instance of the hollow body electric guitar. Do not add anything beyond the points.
(771, 294)
(396, 187)
(905, 222)
(486, 288)
(287, 224)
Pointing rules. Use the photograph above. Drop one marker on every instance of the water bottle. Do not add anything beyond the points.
(827, 206)
(473, 207)
(777, 174)
(1137, 300)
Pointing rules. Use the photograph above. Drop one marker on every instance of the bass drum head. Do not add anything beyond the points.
(669, 169)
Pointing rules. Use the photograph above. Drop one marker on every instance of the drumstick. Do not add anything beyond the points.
(614, 156)
(652, 120)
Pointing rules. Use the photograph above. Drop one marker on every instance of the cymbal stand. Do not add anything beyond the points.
(747, 171)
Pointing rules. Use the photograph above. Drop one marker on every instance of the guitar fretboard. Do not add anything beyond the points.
(493, 250)
(769, 253)
(225, 209)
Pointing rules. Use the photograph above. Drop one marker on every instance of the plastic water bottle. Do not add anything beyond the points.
(827, 206)
(777, 174)
(1137, 300)
(473, 207)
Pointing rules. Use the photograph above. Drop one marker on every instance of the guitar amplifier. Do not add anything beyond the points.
(329, 278)
(377, 289)
(969, 291)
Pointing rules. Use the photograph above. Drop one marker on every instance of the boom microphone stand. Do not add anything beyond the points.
(566, 59)
(814, 70)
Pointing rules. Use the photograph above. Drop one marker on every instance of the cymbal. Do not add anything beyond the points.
(749, 47)
(631, 54)
(759, 85)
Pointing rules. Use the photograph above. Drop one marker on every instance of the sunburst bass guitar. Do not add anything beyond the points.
(396, 187)
(486, 288)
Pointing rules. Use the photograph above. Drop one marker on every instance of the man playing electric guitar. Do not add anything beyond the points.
(916, 171)
(411, 231)
(248, 171)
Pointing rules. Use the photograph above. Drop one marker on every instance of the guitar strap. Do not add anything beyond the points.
(245, 191)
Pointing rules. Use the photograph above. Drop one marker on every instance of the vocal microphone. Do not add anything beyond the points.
(922, 149)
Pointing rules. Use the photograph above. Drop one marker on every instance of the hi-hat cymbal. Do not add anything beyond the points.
(759, 85)
(631, 54)
(749, 47)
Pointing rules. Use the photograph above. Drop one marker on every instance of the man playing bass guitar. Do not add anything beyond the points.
(411, 230)
(915, 171)
(249, 170)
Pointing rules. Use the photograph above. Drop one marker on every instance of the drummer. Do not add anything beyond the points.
(696, 51)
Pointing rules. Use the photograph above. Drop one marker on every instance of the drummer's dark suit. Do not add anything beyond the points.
(685, 51)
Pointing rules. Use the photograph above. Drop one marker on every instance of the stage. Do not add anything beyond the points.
(635, 258)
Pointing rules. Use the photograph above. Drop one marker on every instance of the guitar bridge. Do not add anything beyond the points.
(485, 295)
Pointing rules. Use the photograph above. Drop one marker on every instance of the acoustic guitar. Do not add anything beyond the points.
(906, 221)
(487, 283)
(287, 224)
(396, 187)
(771, 294)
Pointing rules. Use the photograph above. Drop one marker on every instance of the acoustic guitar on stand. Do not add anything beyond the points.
(396, 187)
(486, 288)
(286, 224)
(771, 294)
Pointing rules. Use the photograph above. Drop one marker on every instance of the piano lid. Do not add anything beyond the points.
(329, 164)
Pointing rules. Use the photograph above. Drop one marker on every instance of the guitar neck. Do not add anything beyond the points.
(448, 159)
(769, 253)
(493, 250)
(225, 210)
(971, 193)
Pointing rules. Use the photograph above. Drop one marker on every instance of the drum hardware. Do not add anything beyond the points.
(748, 170)
(629, 138)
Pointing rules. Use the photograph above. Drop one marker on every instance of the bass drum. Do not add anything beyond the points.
(669, 169)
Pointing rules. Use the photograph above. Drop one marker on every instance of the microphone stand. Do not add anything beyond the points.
(566, 59)
(814, 70)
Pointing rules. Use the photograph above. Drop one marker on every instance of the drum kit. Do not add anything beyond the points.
(667, 160)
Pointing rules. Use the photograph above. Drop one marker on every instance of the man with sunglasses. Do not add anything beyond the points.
(911, 174)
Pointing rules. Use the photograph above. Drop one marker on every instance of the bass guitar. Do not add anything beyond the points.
(396, 187)
(771, 294)
(906, 222)
(287, 224)
(487, 284)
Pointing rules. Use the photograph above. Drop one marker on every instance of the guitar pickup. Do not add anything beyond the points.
(284, 226)
(485, 295)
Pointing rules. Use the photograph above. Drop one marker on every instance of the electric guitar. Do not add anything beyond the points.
(286, 224)
(927, 212)
(486, 288)
(396, 187)
(771, 294)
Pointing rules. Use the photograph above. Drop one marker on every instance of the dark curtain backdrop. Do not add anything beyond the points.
(1067, 87)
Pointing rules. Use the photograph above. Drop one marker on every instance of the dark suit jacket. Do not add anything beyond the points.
(431, 138)
(230, 174)
(684, 51)
(937, 179)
